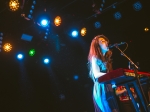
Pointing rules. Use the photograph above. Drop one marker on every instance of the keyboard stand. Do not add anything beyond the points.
(134, 83)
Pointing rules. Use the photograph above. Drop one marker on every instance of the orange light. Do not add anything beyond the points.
(13, 5)
(83, 31)
(57, 21)
(146, 29)
(7, 47)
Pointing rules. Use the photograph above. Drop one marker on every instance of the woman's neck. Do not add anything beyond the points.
(103, 52)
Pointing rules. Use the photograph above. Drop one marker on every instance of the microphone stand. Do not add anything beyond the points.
(135, 67)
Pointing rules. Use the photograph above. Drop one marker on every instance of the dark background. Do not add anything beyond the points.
(31, 86)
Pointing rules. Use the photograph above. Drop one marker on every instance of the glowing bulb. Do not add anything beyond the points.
(57, 21)
(83, 31)
(146, 29)
(7, 47)
(14, 5)
(32, 52)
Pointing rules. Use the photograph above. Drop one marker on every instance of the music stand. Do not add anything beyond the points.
(142, 96)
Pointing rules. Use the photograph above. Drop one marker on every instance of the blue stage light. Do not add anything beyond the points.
(31, 11)
(45, 37)
(117, 15)
(32, 7)
(34, 2)
(29, 16)
(20, 56)
(74, 33)
(76, 77)
(137, 6)
(44, 22)
(46, 60)
(97, 24)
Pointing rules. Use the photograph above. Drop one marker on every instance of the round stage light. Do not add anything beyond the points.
(76, 77)
(20, 56)
(7, 47)
(46, 61)
(57, 21)
(97, 24)
(83, 31)
(44, 23)
(146, 29)
(137, 6)
(32, 52)
(74, 33)
(13, 5)
(117, 15)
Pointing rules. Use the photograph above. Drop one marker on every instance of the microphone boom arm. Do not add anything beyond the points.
(127, 57)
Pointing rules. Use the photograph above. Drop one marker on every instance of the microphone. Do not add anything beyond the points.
(116, 44)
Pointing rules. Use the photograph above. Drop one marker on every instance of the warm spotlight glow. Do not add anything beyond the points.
(83, 31)
(14, 5)
(7, 47)
(57, 21)
(146, 29)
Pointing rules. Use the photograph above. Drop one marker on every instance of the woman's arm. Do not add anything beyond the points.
(96, 69)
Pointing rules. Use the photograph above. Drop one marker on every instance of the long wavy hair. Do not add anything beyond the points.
(96, 51)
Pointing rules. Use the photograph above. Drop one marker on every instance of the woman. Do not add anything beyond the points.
(99, 60)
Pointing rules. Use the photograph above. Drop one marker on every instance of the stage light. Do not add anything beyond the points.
(97, 24)
(74, 33)
(34, 2)
(47, 30)
(57, 21)
(1, 38)
(31, 52)
(44, 22)
(146, 29)
(13, 5)
(45, 37)
(137, 6)
(31, 11)
(46, 61)
(20, 56)
(62, 97)
(46, 33)
(1, 34)
(32, 7)
(76, 77)
(101, 9)
(7, 47)
(117, 15)
(30, 16)
(83, 31)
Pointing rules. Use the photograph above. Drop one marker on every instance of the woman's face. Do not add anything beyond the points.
(103, 44)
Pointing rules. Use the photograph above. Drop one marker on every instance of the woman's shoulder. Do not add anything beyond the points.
(95, 59)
